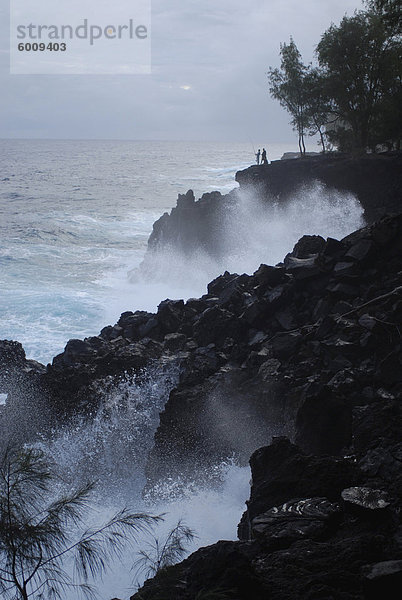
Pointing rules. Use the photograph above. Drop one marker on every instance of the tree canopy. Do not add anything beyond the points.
(353, 98)
(361, 71)
(287, 86)
(390, 11)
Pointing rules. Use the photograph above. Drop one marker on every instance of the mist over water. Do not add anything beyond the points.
(114, 445)
(251, 232)
(74, 222)
(111, 449)
(75, 217)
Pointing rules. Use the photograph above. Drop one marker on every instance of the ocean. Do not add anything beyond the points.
(75, 217)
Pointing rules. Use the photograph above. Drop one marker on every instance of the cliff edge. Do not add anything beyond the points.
(193, 225)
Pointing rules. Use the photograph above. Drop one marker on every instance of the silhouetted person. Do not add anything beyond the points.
(264, 160)
(258, 156)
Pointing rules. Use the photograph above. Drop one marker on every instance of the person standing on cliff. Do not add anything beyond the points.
(258, 156)
(264, 160)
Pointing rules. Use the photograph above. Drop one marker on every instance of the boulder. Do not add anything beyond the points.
(382, 580)
(282, 471)
(365, 498)
(295, 520)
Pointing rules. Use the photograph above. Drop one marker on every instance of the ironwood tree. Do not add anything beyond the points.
(39, 531)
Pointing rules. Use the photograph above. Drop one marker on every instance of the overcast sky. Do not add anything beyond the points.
(208, 81)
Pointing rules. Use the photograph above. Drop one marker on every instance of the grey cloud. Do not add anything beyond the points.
(209, 76)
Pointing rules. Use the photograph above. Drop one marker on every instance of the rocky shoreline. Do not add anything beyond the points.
(323, 519)
(374, 179)
(298, 364)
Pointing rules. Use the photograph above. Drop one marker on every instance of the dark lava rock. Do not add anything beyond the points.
(307, 246)
(225, 570)
(26, 409)
(284, 345)
(170, 315)
(174, 341)
(310, 349)
(331, 342)
(324, 421)
(383, 580)
(366, 498)
(280, 526)
(360, 251)
(268, 276)
(375, 179)
(282, 471)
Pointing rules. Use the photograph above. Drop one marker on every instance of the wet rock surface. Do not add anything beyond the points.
(375, 180)
(323, 518)
(309, 353)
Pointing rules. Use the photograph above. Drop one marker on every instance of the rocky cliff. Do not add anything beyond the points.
(318, 340)
(375, 179)
(193, 225)
(307, 352)
(310, 349)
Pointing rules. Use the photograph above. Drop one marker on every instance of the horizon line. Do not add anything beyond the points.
(169, 140)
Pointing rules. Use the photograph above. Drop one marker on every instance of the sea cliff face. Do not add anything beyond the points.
(317, 349)
(375, 180)
(297, 364)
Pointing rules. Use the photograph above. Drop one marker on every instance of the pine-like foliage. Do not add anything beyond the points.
(38, 534)
(164, 553)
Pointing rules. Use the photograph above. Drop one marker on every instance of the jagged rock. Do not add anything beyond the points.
(332, 249)
(218, 285)
(147, 328)
(268, 276)
(317, 358)
(11, 353)
(375, 422)
(366, 498)
(174, 341)
(215, 325)
(390, 368)
(269, 369)
(337, 374)
(285, 345)
(302, 268)
(198, 305)
(308, 245)
(382, 580)
(257, 339)
(282, 471)
(76, 351)
(346, 270)
(344, 290)
(170, 315)
(281, 526)
(376, 180)
(360, 251)
(324, 423)
(132, 322)
(343, 382)
(255, 312)
(322, 365)
(368, 322)
(277, 296)
(186, 200)
(225, 570)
